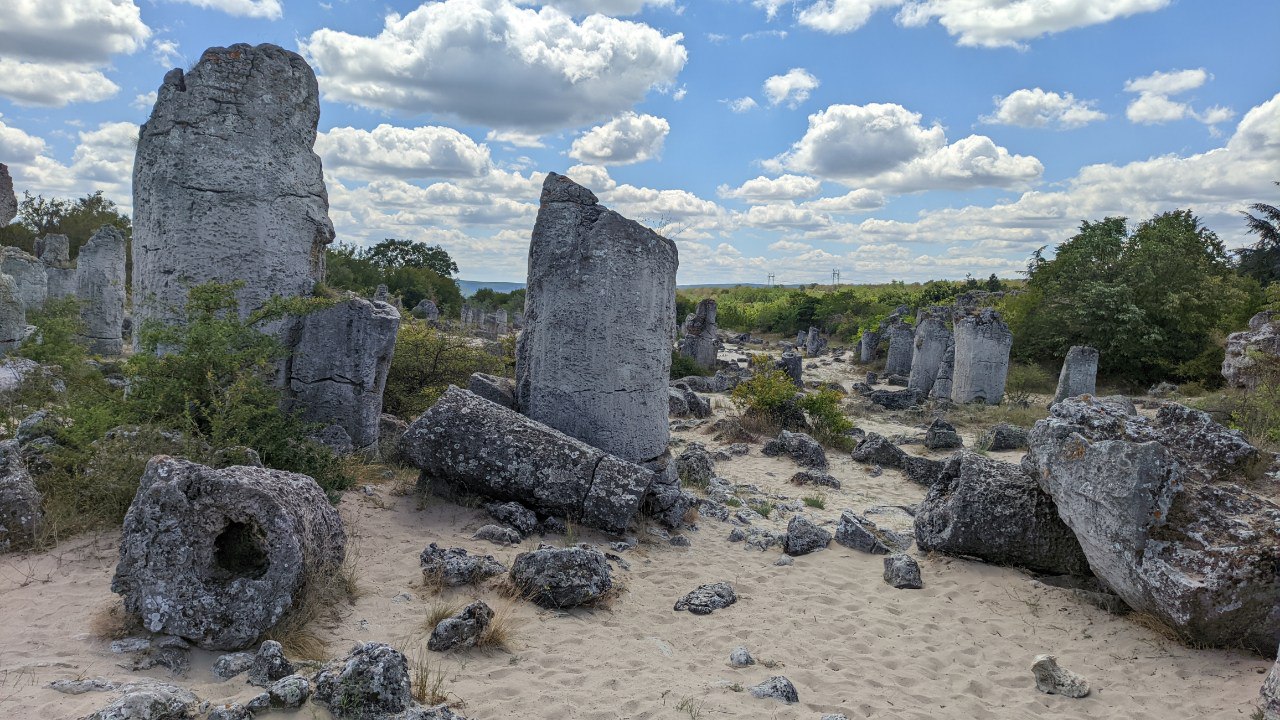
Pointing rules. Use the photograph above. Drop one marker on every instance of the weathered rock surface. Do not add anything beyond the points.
(867, 346)
(390, 430)
(941, 390)
(514, 514)
(427, 310)
(878, 450)
(1157, 507)
(858, 533)
(594, 358)
(339, 366)
(269, 664)
(8, 201)
(1270, 694)
(902, 572)
(218, 556)
(54, 252)
(494, 389)
(371, 683)
(981, 365)
(20, 501)
(802, 448)
(13, 315)
(461, 630)
(454, 566)
(932, 336)
(150, 701)
(992, 510)
(705, 599)
(700, 332)
(895, 399)
(226, 185)
(901, 348)
(792, 364)
(562, 578)
(694, 465)
(480, 447)
(100, 278)
(776, 688)
(1254, 354)
(803, 537)
(741, 657)
(1056, 680)
(1003, 437)
(684, 402)
(815, 344)
(28, 276)
(941, 435)
(1079, 375)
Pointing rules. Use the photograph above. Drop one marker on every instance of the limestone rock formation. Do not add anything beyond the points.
(20, 502)
(902, 345)
(13, 315)
(473, 445)
(932, 336)
(100, 278)
(1270, 694)
(941, 389)
(562, 578)
(867, 346)
(1253, 354)
(1159, 510)
(700, 334)
(461, 630)
(993, 511)
(427, 310)
(453, 567)
(339, 366)
(54, 252)
(8, 201)
(814, 344)
(218, 556)
(1079, 374)
(226, 186)
(493, 388)
(28, 276)
(981, 365)
(594, 358)
(706, 599)
(371, 682)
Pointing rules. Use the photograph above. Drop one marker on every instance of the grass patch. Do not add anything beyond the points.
(427, 682)
(816, 501)
(500, 635)
(764, 507)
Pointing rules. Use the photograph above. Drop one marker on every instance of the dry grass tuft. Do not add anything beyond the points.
(500, 635)
(320, 601)
(113, 623)
(440, 610)
(427, 682)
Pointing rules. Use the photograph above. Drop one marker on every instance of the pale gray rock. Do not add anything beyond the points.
(694, 466)
(867, 346)
(1159, 508)
(791, 364)
(336, 438)
(21, 515)
(982, 349)
(706, 599)
(370, 683)
(879, 450)
(28, 276)
(100, 278)
(932, 336)
(941, 390)
(13, 315)
(493, 388)
(594, 358)
(14, 371)
(895, 399)
(427, 310)
(562, 578)
(230, 711)
(1253, 354)
(469, 444)
(858, 533)
(461, 630)
(54, 252)
(455, 567)
(232, 664)
(776, 688)
(920, 470)
(8, 201)
(390, 430)
(803, 537)
(1054, 679)
(219, 556)
(150, 701)
(941, 435)
(741, 657)
(82, 686)
(802, 448)
(700, 333)
(226, 186)
(1270, 694)
(992, 510)
(815, 344)
(289, 692)
(805, 477)
(498, 535)
(902, 572)
(718, 383)
(1003, 437)
(684, 402)
(902, 346)
(514, 514)
(341, 357)
(1079, 375)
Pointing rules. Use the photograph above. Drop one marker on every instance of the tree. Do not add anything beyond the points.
(392, 253)
(77, 219)
(1261, 260)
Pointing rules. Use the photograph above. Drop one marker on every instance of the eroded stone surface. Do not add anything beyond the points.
(981, 365)
(1079, 375)
(700, 333)
(100, 278)
(931, 339)
(1253, 354)
(8, 201)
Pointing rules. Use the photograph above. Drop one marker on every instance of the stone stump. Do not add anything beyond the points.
(28, 276)
(902, 347)
(8, 201)
(981, 366)
(868, 345)
(13, 315)
(1079, 374)
(700, 333)
(54, 252)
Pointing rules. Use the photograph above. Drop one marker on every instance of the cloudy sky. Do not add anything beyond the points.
(891, 139)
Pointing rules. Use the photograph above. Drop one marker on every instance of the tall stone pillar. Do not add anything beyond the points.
(1079, 374)
(100, 277)
(983, 342)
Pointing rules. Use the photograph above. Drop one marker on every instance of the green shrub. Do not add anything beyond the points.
(829, 423)
(427, 361)
(815, 501)
(1025, 380)
(765, 395)
(684, 366)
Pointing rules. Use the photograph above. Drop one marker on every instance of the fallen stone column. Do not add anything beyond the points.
(981, 365)
(219, 556)
(339, 367)
(100, 278)
(902, 342)
(700, 331)
(1079, 374)
(595, 356)
(931, 339)
(476, 446)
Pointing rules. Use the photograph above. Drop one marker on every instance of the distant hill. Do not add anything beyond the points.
(469, 287)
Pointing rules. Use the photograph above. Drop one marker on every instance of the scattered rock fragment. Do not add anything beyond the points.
(562, 578)
(454, 567)
(372, 681)
(705, 599)
(902, 572)
(462, 630)
(803, 537)
(776, 688)
(1056, 680)
(741, 657)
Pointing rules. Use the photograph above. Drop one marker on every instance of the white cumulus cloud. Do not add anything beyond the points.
(493, 63)
(408, 153)
(1155, 105)
(626, 139)
(742, 104)
(792, 88)
(603, 7)
(1038, 108)
(767, 190)
(268, 9)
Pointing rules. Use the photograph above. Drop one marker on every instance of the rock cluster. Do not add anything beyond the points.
(594, 358)
(1254, 354)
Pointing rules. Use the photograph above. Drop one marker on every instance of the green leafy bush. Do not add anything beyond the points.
(684, 366)
(765, 395)
(829, 422)
(1025, 380)
(428, 361)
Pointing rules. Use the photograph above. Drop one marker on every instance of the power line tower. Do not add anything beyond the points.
(835, 278)
(771, 277)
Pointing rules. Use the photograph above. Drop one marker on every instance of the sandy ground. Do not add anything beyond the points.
(960, 648)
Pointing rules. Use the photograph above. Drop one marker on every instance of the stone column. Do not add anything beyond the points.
(226, 185)
(941, 389)
(54, 252)
(983, 342)
(100, 277)
(868, 345)
(8, 201)
(1079, 374)
(902, 340)
(595, 356)
(28, 276)
(700, 331)
(932, 337)
(13, 315)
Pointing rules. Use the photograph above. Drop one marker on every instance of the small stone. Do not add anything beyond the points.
(554, 578)
(290, 691)
(803, 537)
(707, 598)
(232, 711)
(269, 665)
(498, 534)
(859, 533)
(130, 645)
(80, 687)
(454, 567)
(784, 561)
(1055, 680)
(679, 541)
(463, 630)
(902, 572)
(515, 515)
(736, 535)
(741, 657)
(232, 664)
(776, 688)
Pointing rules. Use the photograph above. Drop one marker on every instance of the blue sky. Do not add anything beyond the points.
(891, 139)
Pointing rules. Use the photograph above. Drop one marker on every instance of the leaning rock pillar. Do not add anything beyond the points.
(594, 358)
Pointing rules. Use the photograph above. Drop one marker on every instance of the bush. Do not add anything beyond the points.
(829, 422)
(765, 395)
(427, 361)
(684, 366)
(1025, 380)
